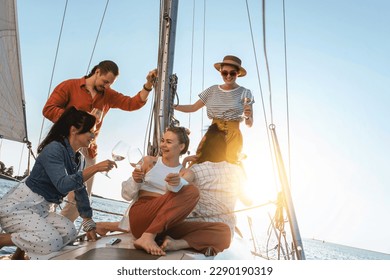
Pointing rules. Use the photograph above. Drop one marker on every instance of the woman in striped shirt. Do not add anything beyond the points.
(227, 105)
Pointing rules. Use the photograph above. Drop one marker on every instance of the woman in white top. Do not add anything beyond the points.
(227, 105)
(162, 199)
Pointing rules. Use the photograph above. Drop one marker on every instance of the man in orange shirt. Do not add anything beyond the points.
(93, 94)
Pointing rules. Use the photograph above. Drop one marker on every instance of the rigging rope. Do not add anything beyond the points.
(148, 132)
(257, 64)
(279, 215)
(266, 64)
(208, 216)
(54, 65)
(287, 103)
(20, 160)
(260, 87)
(192, 60)
(57, 50)
(97, 36)
(235, 211)
(203, 62)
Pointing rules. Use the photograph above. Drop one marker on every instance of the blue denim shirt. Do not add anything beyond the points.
(56, 173)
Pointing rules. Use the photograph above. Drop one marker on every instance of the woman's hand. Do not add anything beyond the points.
(138, 175)
(173, 179)
(188, 175)
(248, 115)
(91, 235)
(247, 111)
(89, 226)
(106, 165)
(189, 160)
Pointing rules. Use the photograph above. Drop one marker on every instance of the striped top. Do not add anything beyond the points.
(225, 105)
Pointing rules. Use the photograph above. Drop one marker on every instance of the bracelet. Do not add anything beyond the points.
(147, 89)
(88, 225)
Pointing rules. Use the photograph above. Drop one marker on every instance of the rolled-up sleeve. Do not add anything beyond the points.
(83, 203)
(130, 189)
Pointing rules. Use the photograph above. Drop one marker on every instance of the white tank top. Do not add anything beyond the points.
(155, 177)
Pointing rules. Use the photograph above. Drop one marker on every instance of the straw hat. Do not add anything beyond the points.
(231, 60)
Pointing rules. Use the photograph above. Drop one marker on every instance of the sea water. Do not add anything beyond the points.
(314, 249)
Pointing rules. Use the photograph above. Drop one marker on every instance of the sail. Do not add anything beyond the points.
(12, 105)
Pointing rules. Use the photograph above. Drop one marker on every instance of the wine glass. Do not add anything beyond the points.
(135, 157)
(98, 114)
(118, 152)
(246, 99)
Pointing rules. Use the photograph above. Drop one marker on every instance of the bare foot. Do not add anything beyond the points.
(147, 243)
(171, 244)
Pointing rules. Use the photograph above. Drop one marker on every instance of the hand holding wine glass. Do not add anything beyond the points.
(135, 157)
(119, 152)
(136, 160)
(247, 100)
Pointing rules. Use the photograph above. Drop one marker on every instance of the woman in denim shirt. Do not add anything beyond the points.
(26, 211)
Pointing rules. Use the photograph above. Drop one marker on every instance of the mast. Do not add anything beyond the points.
(167, 81)
(296, 236)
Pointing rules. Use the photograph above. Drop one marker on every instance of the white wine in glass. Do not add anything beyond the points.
(98, 114)
(119, 152)
(246, 99)
(135, 157)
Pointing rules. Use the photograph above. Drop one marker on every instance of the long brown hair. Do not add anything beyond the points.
(213, 145)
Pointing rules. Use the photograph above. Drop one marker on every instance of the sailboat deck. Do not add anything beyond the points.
(125, 250)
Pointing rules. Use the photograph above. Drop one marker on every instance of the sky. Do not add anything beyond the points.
(335, 146)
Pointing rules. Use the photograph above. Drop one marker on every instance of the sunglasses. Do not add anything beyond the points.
(232, 73)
